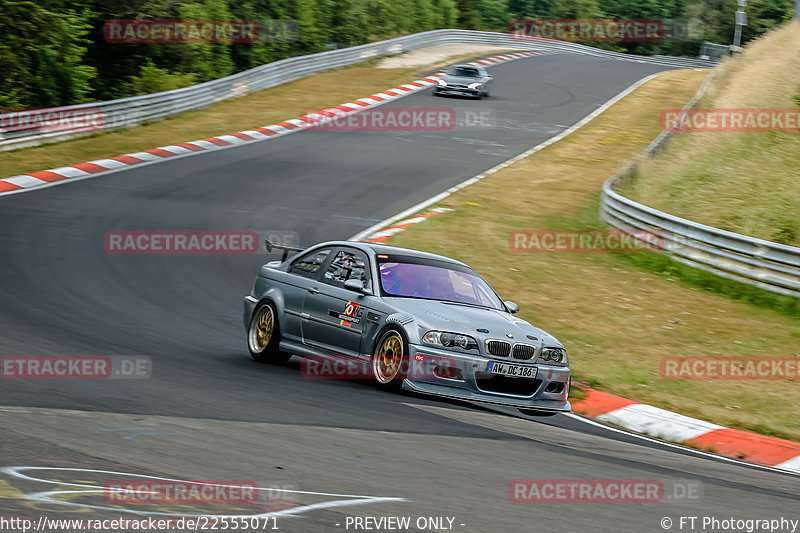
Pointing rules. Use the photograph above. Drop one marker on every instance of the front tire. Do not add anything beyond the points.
(390, 360)
(263, 336)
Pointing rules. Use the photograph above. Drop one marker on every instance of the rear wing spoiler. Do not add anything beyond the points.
(286, 249)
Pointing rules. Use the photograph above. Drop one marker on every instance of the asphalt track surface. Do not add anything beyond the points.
(210, 413)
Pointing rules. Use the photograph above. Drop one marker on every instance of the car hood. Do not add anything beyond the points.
(460, 80)
(467, 319)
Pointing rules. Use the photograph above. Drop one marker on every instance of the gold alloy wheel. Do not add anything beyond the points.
(388, 358)
(261, 330)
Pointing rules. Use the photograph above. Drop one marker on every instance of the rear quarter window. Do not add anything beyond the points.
(309, 264)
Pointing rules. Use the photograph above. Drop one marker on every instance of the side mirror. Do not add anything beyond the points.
(356, 285)
(512, 307)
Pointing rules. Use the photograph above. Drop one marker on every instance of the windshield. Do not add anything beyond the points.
(411, 277)
(464, 72)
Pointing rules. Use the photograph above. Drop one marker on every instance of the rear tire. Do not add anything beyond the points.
(263, 335)
(390, 360)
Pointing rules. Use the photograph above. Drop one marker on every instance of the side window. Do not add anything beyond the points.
(309, 264)
(347, 264)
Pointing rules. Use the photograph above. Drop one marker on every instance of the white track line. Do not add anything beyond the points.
(441, 196)
(695, 451)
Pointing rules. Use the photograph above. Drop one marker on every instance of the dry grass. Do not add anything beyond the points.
(326, 89)
(741, 182)
(616, 320)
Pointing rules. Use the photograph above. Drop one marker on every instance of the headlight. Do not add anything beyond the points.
(442, 82)
(553, 356)
(474, 85)
(450, 340)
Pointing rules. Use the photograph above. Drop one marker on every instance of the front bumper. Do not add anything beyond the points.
(249, 306)
(465, 377)
(456, 90)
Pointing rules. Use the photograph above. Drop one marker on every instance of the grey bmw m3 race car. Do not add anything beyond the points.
(409, 318)
(464, 80)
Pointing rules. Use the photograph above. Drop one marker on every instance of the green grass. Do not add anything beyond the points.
(745, 182)
(664, 266)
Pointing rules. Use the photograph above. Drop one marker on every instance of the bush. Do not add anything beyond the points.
(152, 79)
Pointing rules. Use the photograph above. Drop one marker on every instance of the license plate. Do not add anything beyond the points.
(514, 371)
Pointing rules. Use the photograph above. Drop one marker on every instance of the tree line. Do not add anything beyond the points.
(53, 52)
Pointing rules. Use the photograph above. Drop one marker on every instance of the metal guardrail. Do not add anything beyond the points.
(135, 110)
(714, 51)
(768, 265)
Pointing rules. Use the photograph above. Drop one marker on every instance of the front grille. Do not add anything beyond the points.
(498, 348)
(507, 385)
(524, 351)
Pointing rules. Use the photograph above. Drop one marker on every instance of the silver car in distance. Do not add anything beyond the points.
(464, 80)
